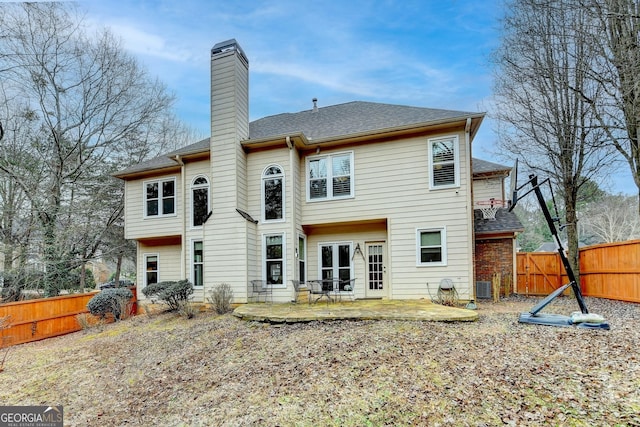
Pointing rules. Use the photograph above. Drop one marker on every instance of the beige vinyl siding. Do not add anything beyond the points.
(487, 188)
(139, 227)
(256, 164)
(392, 182)
(361, 236)
(168, 263)
(226, 232)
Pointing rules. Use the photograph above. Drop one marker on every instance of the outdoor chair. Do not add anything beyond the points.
(258, 288)
(446, 293)
(319, 289)
(348, 287)
(296, 287)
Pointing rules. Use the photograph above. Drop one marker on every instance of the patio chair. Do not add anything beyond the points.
(296, 287)
(319, 289)
(446, 293)
(348, 287)
(260, 287)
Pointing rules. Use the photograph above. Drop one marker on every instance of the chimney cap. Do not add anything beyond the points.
(315, 104)
(226, 46)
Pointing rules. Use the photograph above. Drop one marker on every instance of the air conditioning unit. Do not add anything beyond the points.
(483, 290)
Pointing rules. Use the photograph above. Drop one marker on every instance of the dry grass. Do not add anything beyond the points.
(218, 370)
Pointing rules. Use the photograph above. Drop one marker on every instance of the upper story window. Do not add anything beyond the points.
(199, 200)
(432, 246)
(160, 197)
(444, 162)
(273, 193)
(330, 177)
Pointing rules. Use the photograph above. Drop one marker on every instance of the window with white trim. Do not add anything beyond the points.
(273, 193)
(432, 246)
(444, 162)
(199, 201)
(302, 258)
(330, 176)
(151, 265)
(160, 198)
(274, 259)
(198, 263)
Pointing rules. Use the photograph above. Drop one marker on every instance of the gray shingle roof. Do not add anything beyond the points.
(486, 167)
(335, 120)
(505, 222)
(347, 119)
(165, 160)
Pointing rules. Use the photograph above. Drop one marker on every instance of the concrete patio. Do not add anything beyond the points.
(420, 310)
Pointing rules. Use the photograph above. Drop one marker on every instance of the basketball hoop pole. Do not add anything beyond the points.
(535, 187)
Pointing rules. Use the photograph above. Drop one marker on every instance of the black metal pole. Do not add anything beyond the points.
(554, 231)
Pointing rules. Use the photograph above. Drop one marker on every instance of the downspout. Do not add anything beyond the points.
(470, 216)
(294, 237)
(184, 219)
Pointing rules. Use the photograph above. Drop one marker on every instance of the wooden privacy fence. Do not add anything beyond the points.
(37, 319)
(610, 270)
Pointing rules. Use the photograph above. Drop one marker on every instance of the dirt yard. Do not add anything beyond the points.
(218, 370)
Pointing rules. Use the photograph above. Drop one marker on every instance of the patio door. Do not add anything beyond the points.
(376, 269)
(335, 262)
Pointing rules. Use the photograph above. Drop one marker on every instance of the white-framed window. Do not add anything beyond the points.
(273, 265)
(444, 162)
(330, 176)
(160, 197)
(302, 258)
(273, 193)
(335, 262)
(197, 260)
(152, 268)
(200, 205)
(431, 246)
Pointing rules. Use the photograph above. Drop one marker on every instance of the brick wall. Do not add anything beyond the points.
(494, 256)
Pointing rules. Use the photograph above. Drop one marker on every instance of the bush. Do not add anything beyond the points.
(169, 292)
(114, 301)
(221, 297)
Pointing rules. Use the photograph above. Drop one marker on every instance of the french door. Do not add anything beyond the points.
(336, 263)
(376, 269)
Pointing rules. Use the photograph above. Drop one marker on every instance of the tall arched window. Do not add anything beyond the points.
(273, 193)
(199, 200)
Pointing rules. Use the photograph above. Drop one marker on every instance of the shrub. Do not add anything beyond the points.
(114, 301)
(186, 309)
(170, 292)
(221, 297)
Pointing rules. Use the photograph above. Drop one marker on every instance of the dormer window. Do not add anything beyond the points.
(273, 193)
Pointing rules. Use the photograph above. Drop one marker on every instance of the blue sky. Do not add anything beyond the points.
(421, 53)
(427, 53)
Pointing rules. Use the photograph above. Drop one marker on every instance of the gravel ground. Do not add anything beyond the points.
(218, 370)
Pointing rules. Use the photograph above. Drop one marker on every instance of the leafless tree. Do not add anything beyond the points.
(544, 121)
(610, 219)
(615, 34)
(93, 110)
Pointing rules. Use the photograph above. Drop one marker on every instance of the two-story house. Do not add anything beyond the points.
(374, 192)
